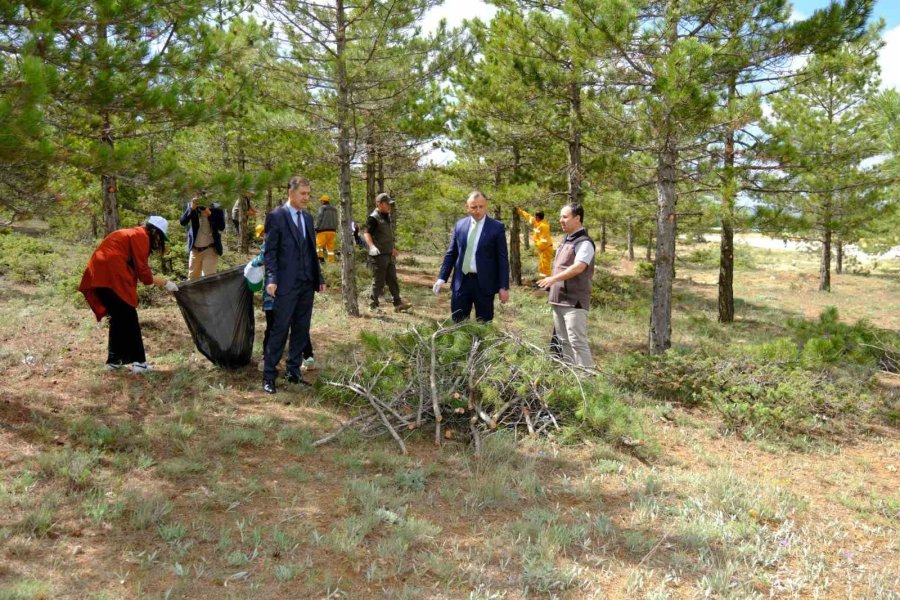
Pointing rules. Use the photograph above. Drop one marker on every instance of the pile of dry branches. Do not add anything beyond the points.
(464, 380)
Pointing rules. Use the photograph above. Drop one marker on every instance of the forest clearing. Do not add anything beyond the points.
(189, 482)
(463, 300)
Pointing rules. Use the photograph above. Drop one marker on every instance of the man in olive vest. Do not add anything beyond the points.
(379, 236)
(570, 286)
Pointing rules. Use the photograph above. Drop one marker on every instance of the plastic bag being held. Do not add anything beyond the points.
(254, 276)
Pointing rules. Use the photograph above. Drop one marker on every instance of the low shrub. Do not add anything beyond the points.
(827, 341)
(25, 259)
(616, 292)
(645, 269)
(754, 394)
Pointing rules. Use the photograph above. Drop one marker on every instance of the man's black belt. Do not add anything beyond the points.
(202, 248)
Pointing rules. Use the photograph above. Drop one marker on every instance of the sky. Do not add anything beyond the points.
(457, 10)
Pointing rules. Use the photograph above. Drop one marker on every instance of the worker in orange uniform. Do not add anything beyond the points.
(543, 243)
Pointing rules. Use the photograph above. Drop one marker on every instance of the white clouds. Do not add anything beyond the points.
(457, 10)
(889, 59)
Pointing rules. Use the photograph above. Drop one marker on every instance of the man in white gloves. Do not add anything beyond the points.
(379, 236)
(479, 261)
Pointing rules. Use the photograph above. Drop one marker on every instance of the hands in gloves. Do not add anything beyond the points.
(436, 288)
(374, 251)
(171, 286)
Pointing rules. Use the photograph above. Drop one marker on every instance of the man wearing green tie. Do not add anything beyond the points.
(478, 258)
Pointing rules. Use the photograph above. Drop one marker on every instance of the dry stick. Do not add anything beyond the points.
(421, 391)
(384, 419)
(652, 550)
(434, 394)
(372, 398)
(340, 429)
(526, 412)
(486, 418)
(501, 410)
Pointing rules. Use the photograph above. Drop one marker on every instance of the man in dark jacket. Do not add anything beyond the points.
(204, 236)
(570, 287)
(479, 261)
(293, 277)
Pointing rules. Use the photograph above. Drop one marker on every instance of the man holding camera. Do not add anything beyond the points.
(204, 236)
(379, 237)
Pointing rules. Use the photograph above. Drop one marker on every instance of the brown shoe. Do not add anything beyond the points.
(402, 307)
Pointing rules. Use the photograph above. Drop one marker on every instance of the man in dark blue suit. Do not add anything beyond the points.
(292, 279)
(478, 258)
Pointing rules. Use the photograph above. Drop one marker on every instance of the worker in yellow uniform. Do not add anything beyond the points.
(543, 243)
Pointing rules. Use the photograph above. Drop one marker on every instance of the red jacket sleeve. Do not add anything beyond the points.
(140, 252)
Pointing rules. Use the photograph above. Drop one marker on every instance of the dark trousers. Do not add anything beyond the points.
(384, 270)
(125, 342)
(293, 314)
(270, 318)
(469, 295)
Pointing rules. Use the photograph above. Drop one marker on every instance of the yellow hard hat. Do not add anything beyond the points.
(260, 230)
(324, 198)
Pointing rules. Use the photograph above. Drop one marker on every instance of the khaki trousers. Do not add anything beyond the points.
(571, 329)
(202, 263)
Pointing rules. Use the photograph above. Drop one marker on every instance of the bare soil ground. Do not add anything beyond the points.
(189, 482)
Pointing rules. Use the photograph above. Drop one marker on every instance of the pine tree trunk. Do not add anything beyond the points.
(245, 219)
(515, 257)
(603, 235)
(108, 191)
(839, 258)
(726, 246)
(825, 268)
(371, 158)
(108, 188)
(630, 239)
(379, 171)
(661, 312)
(243, 198)
(574, 167)
(348, 266)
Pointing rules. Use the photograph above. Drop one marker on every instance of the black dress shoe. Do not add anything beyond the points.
(269, 386)
(295, 378)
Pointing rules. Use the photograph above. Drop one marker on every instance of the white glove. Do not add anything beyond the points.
(437, 286)
(171, 286)
(374, 251)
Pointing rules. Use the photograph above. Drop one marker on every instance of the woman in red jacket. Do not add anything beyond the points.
(109, 285)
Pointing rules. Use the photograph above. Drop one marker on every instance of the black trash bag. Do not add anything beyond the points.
(218, 310)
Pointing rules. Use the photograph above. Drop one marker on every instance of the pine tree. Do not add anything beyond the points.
(820, 137)
(120, 72)
(350, 56)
